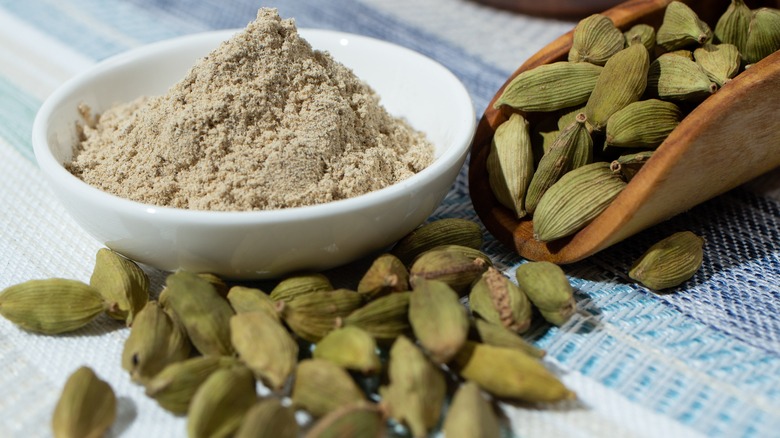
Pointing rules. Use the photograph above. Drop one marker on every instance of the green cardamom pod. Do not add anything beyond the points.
(438, 319)
(456, 265)
(628, 165)
(549, 290)
(219, 404)
(269, 419)
(265, 346)
(572, 149)
(509, 373)
(123, 285)
(595, 40)
(321, 386)
(174, 386)
(669, 262)
(300, 284)
(155, 341)
(550, 87)
(384, 318)
(732, 27)
(387, 274)
(86, 407)
(721, 62)
(642, 124)
(575, 200)
(416, 390)
(496, 299)
(510, 163)
(350, 347)
(204, 314)
(312, 316)
(219, 284)
(763, 36)
(679, 78)
(499, 336)
(453, 231)
(644, 33)
(681, 27)
(51, 306)
(470, 415)
(359, 420)
(623, 81)
(246, 299)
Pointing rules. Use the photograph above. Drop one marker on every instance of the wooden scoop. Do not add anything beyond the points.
(729, 139)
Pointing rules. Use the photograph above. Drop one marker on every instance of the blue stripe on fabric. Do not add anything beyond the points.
(96, 28)
(17, 113)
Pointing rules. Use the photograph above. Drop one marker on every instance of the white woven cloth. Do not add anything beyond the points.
(703, 360)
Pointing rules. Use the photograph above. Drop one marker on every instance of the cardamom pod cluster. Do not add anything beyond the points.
(395, 349)
(625, 90)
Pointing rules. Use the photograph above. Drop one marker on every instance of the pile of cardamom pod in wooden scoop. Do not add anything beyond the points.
(401, 349)
(598, 117)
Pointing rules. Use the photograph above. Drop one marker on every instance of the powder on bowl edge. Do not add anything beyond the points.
(263, 122)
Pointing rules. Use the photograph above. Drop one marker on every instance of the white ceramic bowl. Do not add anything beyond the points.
(261, 244)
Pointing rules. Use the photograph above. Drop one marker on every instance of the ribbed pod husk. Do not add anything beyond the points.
(642, 124)
(595, 40)
(669, 262)
(678, 78)
(510, 163)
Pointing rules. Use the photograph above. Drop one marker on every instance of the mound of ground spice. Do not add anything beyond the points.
(263, 122)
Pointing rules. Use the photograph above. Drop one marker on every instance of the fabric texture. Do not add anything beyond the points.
(700, 360)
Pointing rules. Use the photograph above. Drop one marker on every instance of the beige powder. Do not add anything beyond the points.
(263, 122)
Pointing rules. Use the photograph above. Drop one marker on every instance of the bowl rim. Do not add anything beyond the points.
(58, 175)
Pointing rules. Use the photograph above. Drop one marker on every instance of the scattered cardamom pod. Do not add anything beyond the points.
(670, 262)
(155, 341)
(623, 81)
(509, 373)
(595, 40)
(246, 299)
(86, 407)
(470, 415)
(673, 77)
(265, 346)
(549, 290)
(456, 265)
(644, 33)
(572, 148)
(720, 62)
(499, 336)
(453, 231)
(321, 386)
(763, 36)
(121, 283)
(387, 274)
(174, 386)
(575, 200)
(268, 419)
(300, 284)
(642, 124)
(51, 306)
(417, 389)
(510, 163)
(550, 87)
(359, 420)
(350, 347)
(312, 316)
(629, 164)
(202, 311)
(496, 299)
(732, 26)
(681, 27)
(438, 319)
(384, 318)
(219, 404)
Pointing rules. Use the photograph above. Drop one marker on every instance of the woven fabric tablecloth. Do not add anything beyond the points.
(701, 360)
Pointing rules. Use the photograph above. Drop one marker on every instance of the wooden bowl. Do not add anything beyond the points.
(729, 139)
